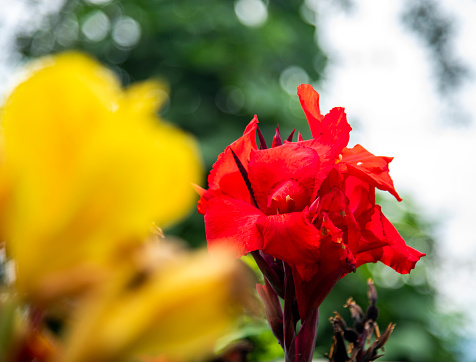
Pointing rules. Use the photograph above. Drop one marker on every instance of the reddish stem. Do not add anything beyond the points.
(289, 324)
(306, 339)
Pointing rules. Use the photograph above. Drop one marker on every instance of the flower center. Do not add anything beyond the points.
(287, 196)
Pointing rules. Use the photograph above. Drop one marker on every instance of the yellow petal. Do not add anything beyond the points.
(145, 97)
(178, 311)
(89, 167)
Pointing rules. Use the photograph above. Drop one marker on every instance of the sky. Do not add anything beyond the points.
(16, 15)
(382, 74)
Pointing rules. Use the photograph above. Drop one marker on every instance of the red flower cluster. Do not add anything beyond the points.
(308, 203)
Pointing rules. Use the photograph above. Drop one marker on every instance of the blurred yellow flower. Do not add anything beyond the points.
(177, 310)
(88, 167)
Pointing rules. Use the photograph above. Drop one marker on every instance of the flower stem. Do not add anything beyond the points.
(289, 324)
(306, 339)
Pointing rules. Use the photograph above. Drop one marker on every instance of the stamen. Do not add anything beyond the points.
(244, 174)
(290, 204)
(262, 142)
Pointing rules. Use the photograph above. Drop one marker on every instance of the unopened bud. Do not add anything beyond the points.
(355, 310)
(379, 343)
(372, 313)
(372, 292)
(338, 323)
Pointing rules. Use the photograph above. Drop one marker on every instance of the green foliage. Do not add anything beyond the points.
(267, 348)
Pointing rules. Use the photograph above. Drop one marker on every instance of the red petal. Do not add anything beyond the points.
(326, 154)
(283, 195)
(290, 237)
(335, 178)
(309, 99)
(333, 201)
(336, 205)
(328, 229)
(205, 195)
(361, 198)
(336, 129)
(369, 168)
(332, 128)
(225, 175)
(333, 250)
(232, 223)
(270, 168)
(396, 253)
(313, 282)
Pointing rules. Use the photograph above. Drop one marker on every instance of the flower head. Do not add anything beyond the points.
(310, 203)
(88, 168)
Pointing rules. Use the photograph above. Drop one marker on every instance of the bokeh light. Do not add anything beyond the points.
(251, 12)
(126, 32)
(96, 26)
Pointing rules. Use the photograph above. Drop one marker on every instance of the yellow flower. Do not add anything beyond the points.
(177, 310)
(88, 168)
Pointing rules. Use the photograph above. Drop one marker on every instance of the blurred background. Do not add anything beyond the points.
(404, 71)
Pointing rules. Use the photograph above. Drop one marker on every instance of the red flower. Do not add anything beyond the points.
(308, 203)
